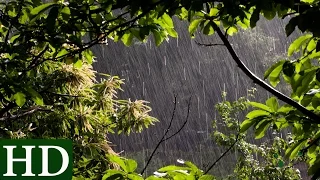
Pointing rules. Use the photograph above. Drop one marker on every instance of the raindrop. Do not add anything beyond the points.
(184, 73)
(204, 94)
(198, 106)
(143, 91)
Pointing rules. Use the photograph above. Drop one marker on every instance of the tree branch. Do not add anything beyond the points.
(163, 139)
(29, 112)
(210, 44)
(184, 123)
(314, 117)
(223, 154)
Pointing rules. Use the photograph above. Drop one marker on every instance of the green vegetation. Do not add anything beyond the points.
(48, 88)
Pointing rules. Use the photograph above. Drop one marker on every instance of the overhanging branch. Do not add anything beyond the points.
(313, 117)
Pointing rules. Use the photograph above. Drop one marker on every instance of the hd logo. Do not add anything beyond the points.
(36, 159)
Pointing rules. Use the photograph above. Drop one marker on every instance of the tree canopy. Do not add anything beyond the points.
(48, 88)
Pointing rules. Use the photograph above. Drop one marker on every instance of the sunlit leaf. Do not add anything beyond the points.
(19, 98)
(296, 44)
(41, 8)
(194, 25)
(273, 104)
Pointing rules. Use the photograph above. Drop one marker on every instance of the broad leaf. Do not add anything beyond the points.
(295, 46)
(19, 98)
(273, 104)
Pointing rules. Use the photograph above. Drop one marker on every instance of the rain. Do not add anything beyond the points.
(181, 67)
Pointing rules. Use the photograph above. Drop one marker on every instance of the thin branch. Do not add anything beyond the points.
(184, 123)
(222, 155)
(36, 58)
(7, 108)
(64, 95)
(163, 139)
(210, 44)
(29, 112)
(314, 117)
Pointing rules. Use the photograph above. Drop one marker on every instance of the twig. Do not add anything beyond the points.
(31, 111)
(222, 155)
(210, 44)
(64, 95)
(314, 117)
(163, 139)
(184, 123)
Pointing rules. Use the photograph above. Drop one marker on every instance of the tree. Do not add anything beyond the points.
(47, 82)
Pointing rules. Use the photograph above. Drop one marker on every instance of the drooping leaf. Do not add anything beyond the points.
(41, 8)
(272, 68)
(246, 124)
(167, 19)
(296, 44)
(35, 96)
(51, 19)
(288, 68)
(290, 27)
(262, 128)
(255, 17)
(127, 38)
(194, 25)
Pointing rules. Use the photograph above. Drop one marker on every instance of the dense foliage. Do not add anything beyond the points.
(49, 90)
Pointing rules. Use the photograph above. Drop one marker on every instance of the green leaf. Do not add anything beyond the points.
(246, 124)
(293, 150)
(78, 64)
(131, 165)
(158, 37)
(208, 29)
(260, 106)
(274, 76)
(257, 113)
(119, 161)
(194, 25)
(65, 12)
(172, 32)
(41, 8)
(262, 128)
(232, 30)
(167, 19)
(254, 17)
(51, 19)
(291, 26)
(288, 68)
(88, 55)
(295, 46)
(127, 38)
(13, 38)
(273, 104)
(272, 68)
(269, 14)
(172, 168)
(62, 53)
(207, 177)
(35, 96)
(19, 98)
